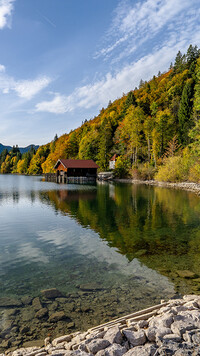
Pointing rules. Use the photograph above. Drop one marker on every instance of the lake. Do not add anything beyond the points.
(109, 249)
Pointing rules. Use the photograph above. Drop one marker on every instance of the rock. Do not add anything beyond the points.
(136, 338)
(24, 329)
(113, 350)
(27, 314)
(53, 306)
(181, 352)
(167, 350)
(60, 339)
(181, 326)
(36, 304)
(57, 316)
(10, 302)
(113, 335)
(51, 293)
(47, 341)
(162, 320)
(41, 313)
(10, 312)
(151, 333)
(6, 326)
(71, 325)
(77, 353)
(59, 352)
(191, 305)
(172, 338)
(90, 287)
(26, 300)
(96, 345)
(186, 274)
(160, 332)
(142, 324)
(146, 350)
(196, 337)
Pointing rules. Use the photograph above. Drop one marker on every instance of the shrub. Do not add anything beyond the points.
(122, 166)
(147, 172)
(194, 173)
(173, 170)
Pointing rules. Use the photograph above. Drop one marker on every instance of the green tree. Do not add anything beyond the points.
(105, 144)
(185, 111)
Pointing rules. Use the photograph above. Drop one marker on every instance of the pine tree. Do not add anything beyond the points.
(179, 62)
(192, 54)
(185, 110)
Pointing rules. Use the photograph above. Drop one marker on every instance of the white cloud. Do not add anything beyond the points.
(29, 88)
(59, 105)
(114, 85)
(6, 8)
(140, 21)
(2, 68)
(25, 89)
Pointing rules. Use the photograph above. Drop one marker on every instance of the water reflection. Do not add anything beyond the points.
(108, 248)
(157, 225)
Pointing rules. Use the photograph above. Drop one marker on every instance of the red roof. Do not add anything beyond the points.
(77, 163)
(113, 157)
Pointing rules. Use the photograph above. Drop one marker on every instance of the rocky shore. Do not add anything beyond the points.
(193, 187)
(169, 328)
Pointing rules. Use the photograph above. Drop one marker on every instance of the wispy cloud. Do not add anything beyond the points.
(137, 24)
(132, 27)
(6, 8)
(25, 89)
(60, 104)
(124, 80)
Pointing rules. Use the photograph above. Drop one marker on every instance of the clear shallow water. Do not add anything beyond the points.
(110, 249)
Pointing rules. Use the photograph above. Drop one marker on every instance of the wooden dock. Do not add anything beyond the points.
(63, 179)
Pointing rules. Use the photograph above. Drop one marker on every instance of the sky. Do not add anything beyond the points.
(61, 61)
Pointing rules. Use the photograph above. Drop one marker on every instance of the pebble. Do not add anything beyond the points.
(174, 330)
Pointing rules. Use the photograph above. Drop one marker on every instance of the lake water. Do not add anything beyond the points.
(109, 249)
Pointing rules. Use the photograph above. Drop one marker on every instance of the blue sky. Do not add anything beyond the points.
(61, 61)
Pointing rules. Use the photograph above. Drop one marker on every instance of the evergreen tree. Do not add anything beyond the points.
(192, 54)
(179, 62)
(131, 100)
(185, 110)
(105, 144)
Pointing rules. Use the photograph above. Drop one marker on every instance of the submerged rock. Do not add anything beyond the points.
(36, 304)
(41, 313)
(90, 287)
(57, 316)
(186, 274)
(51, 293)
(10, 302)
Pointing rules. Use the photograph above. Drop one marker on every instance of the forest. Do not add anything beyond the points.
(154, 130)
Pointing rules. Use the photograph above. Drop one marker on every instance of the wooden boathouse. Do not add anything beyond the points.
(74, 171)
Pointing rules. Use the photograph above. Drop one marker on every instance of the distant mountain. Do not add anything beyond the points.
(22, 149)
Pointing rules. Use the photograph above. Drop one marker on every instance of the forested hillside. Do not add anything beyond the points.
(154, 130)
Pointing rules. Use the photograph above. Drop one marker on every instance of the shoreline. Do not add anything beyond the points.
(169, 328)
(193, 187)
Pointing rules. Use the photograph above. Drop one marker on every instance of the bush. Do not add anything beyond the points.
(147, 172)
(175, 169)
(122, 166)
(194, 173)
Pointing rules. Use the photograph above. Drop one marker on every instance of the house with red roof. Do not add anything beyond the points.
(66, 168)
(112, 161)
